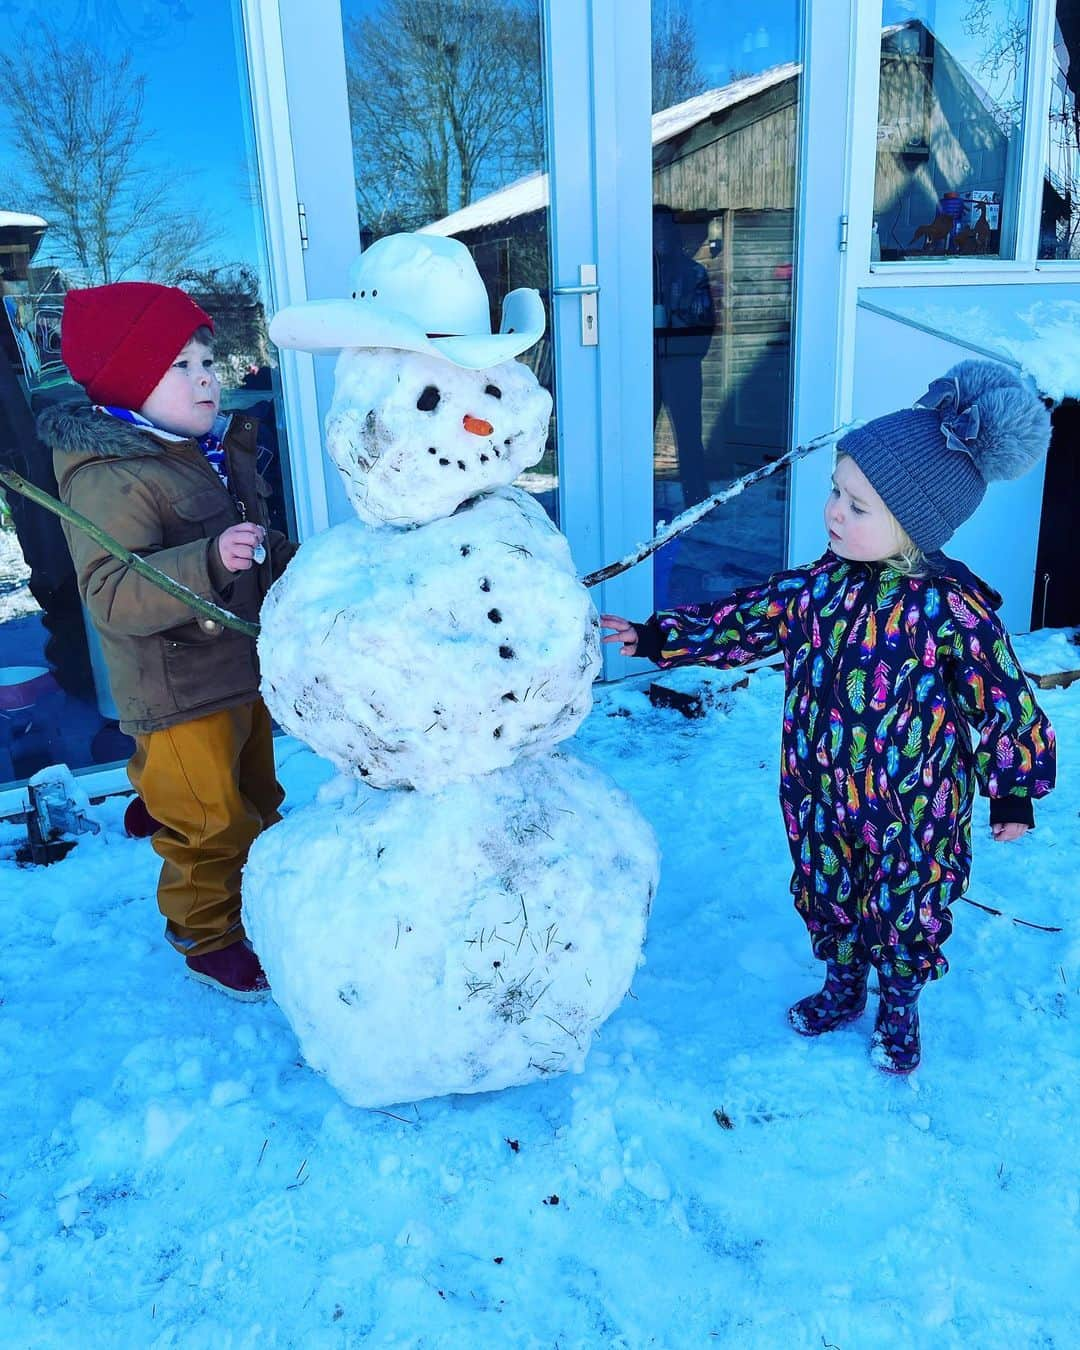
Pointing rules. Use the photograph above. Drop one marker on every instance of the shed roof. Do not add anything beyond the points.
(531, 192)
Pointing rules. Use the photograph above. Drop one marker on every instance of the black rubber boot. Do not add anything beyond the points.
(896, 1047)
(841, 999)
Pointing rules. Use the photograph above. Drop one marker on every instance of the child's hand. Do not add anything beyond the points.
(236, 546)
(1006, 833)
(622, 631)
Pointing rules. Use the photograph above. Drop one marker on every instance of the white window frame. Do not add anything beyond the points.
(862, 146)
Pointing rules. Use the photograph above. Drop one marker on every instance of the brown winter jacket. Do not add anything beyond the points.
(162, 499)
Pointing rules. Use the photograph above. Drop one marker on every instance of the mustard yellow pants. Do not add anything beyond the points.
(211, 783)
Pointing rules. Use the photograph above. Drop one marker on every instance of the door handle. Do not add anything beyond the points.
(587, 290)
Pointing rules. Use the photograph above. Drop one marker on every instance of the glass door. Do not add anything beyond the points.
(520, 127)
(440, 107)
(725, 129)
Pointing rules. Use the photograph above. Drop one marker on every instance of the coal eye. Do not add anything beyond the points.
(429, 399)
(494, 391)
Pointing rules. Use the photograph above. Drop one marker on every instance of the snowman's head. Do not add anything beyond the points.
(414, 436)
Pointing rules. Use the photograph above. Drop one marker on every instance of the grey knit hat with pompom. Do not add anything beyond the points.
(930, 464)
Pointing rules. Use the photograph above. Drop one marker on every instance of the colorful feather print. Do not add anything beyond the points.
(856, 690)
(869, 638)
(882, 729)
(1002, 706)
(880, 695)
(836, 732)
(902, 674)
(961, 612)
(893, 831)
(909, 780)
(857, 749)
(937, 719)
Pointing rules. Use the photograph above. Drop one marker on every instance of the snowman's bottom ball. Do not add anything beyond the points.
(465, 941)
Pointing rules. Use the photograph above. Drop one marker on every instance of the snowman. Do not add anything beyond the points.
(464, 904)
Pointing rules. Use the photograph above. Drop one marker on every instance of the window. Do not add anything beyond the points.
(950, 113)
(112, 171)
(1059, 225)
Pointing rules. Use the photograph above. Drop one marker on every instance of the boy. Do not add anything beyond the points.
(153, 463)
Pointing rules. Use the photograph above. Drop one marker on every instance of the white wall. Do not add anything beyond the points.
(894, 364)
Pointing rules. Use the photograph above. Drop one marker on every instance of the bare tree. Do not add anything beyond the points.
(675, 70)
(80, 144)
(233, 296)
(446, 105)
(1001, 64)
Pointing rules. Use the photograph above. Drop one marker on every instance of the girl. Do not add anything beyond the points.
(893, 654)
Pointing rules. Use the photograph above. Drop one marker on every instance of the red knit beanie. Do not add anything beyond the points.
(118, 341)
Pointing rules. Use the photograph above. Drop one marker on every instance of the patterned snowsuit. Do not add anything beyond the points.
(885, 675)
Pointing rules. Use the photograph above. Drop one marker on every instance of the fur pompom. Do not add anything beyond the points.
(1013, 425)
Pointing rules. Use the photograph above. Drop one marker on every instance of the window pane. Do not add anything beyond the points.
(1059, 233)
(111, 170)
(446, 101)
(949, 117)
(726, 101)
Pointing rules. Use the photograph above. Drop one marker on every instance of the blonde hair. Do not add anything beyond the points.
(909, 559)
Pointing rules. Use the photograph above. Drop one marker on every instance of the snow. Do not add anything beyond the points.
(419, 657)
(146, 1199)
(396, 432)
(516, 946)
(1049, 651)
(15, 598)
(21, 220)
(1033, 325)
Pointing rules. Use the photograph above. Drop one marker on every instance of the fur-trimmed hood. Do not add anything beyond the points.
(81, 433)
(81, 429)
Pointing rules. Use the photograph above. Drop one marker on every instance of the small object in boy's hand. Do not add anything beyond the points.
(258, 555)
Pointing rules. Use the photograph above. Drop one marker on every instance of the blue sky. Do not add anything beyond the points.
(740, 39)
(195, 99)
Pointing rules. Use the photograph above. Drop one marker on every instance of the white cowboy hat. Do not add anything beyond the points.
(416, 293)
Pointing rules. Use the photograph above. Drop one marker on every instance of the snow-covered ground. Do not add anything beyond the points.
(15, 597)
(171, 1175)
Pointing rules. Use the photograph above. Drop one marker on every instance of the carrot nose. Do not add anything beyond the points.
(476, 425)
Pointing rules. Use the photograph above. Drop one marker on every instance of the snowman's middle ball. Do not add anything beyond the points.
(417, 658)
(414, 436)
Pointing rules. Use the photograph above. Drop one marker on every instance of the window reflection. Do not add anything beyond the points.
(1059, 234)
(110, 174)
(447, 111)
(724, 158)
(949, 116)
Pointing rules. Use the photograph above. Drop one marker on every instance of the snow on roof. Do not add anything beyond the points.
(680, 117)
(518, 199)
(16, 219)
(1035, 326)
(531, 192)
